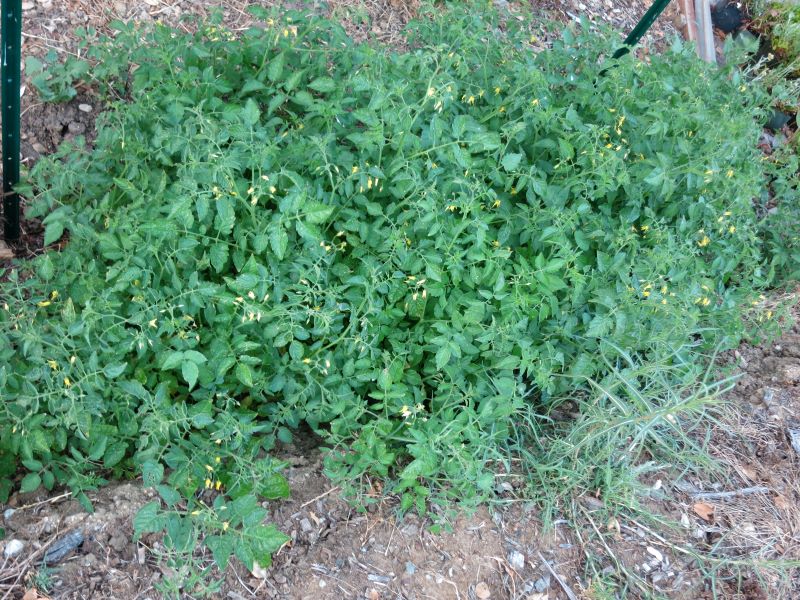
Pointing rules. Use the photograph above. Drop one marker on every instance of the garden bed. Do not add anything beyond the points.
(497, 552)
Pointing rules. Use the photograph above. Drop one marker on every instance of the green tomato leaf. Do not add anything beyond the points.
(511, 161)
(244, 374)
(172, 360)
(149, 519)
(114, 370)
(275, 68)
(30, 482)
(190, 373)
(279, 241)
(250, 113)
(152, 473)
(53, 232)
(323, 84)
(317, 212)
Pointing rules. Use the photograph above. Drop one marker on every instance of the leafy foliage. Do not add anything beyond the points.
(401, 250)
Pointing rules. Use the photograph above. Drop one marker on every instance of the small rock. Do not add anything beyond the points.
(87, 108)
(655, 554)
(482, 591)
(410, 529)
(322, 583)
(8, 513)
(38, 147)
(279, 578)
(27, 5)
(410, 567)
(118, 542)
(504, 487)
(76, 128)
(306, 525)
(542, 584)
(789, 372)
(517, 560)
(258, 571)
(13, 548)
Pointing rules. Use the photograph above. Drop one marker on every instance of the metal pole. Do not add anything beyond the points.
(642, 26)
(11, 34)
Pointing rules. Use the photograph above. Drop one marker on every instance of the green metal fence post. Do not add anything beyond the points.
(642, 26)
(11, 34)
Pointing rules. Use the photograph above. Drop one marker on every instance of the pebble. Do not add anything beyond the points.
(482, 591)
(13, 548)
(306, 525)
(76, 128)
(517, 560)
(542, 584)
(8, 513)
(410, 567)
(322, 583)
(27, 5)
(119, 542)
(87, 108)
(655, 554)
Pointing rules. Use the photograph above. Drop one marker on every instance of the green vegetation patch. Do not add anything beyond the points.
(402, 250)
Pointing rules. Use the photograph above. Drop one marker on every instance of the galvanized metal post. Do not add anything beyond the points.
(11, 34)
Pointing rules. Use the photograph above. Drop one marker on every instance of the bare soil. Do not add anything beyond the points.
(498, 552)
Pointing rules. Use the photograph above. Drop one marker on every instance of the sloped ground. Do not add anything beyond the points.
(499, 552)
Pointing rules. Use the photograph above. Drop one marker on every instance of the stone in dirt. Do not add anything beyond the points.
(13, 548)
(517, 560)
(5, 251)
(482, 591)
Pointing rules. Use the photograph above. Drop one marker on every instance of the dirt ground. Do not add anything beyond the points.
(499, 552)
